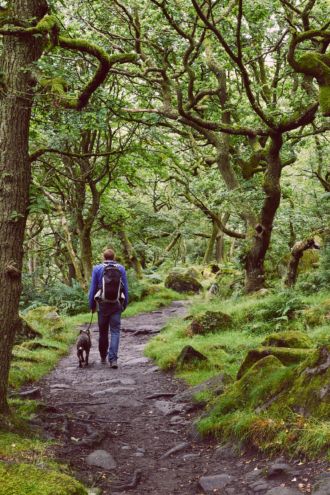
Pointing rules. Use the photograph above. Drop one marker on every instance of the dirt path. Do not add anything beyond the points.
(99, 409)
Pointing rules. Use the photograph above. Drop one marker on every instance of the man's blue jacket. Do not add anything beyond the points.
(96, 282)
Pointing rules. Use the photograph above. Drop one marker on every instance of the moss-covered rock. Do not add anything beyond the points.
(273, 406)
(182, 282)
(285, 355)
(210, 321)
(317, 315)
(310, 394)
(190, 357)
(45, 317)
(25, 331)
(27, 479)
(292, 339)
(262, 380)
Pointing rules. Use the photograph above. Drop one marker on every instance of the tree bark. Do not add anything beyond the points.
(255, 258)
(130, 255)
(18, 55)
(297, 253)
(209, 253)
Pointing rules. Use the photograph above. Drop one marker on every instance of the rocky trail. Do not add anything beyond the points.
(129, 431)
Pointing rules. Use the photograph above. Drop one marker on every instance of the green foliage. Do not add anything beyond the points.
(70, 300)
(275, 404)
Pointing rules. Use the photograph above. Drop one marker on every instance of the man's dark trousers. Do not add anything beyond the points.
(109, 318)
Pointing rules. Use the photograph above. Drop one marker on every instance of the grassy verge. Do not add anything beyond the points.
(27, 466)
(242, 413)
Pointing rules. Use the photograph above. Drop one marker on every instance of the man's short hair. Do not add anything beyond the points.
(109, 254)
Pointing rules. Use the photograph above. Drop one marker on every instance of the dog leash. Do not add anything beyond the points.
(90, 323)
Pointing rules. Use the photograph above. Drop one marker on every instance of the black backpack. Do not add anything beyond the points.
(112, 286)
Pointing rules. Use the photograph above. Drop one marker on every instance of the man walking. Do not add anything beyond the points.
(108, 294)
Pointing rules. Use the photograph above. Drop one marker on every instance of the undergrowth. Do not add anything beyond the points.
(238, 414)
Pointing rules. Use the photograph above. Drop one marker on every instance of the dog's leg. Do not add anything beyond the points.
(86, 358)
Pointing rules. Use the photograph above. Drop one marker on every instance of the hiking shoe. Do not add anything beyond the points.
(103, 360)
(113, 364)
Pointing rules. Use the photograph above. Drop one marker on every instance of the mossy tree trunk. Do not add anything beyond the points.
(297, 253)
(209, 253)
(255, 258)
(18, 55)
(130, 255)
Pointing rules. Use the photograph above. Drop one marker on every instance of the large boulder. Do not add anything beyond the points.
(293, 339)
(210, 321)
(190, 357)
(285, 355)
(45, 317)
(182, 282)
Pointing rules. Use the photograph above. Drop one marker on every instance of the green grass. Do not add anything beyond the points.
(233, 415)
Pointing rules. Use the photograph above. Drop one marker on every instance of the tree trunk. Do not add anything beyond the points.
(15, 173)
(209, 253)
(260, 242)
(86, 254)
(220, 247)
(130, 255)
(297, 253)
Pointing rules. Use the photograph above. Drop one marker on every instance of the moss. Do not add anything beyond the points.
(292, 339)
(318, 66)
(310, 394)
(45, 317)
(286, 355)
(47, 24)
(182, 282)
(27, 479)
(190, 357)
(55, 85)
(210, 321)
(324, 99)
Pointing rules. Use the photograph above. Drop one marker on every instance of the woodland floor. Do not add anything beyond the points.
(98, 408)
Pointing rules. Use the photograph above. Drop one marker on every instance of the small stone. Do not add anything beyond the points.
(259, 486)
(177, 420)
(322, 485)
(113, 390)
(31, 393)
(138, 454)
(224, 452)
(102, 459)
(216, 482)
(168, 408)
(125, 447)
(141, 360)
(278, 469)
(283, 490)
(175, 449)
(231, 491)
(252, 475)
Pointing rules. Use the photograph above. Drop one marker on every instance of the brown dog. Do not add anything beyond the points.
(83, 345)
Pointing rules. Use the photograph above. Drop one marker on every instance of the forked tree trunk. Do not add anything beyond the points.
(255, 258)
(15, 112)
(297, 253)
